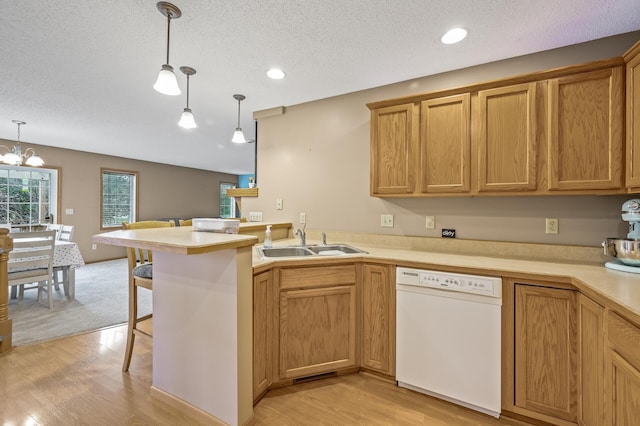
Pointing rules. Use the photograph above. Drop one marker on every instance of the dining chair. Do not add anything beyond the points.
(140, 276)
(63, 233)
(54, 227)
(31, 261)
(66, 233)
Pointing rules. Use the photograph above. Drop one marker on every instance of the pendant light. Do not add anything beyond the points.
(167, 83)
(15, 156)
(186, 120)
(238, 136)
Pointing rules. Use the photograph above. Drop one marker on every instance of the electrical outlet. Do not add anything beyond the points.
(551, 226)
(68, 211)
(94, 247)
(303, 218)
(255, 216)
(431, 222)
(278, 203)
(386, 220)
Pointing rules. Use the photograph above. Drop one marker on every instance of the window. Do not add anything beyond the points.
(28, 196)
(227, 204)
(119, 201)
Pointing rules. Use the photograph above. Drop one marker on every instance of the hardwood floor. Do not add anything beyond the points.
(77, 381)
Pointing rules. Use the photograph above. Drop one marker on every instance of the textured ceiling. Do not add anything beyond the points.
(80, 73)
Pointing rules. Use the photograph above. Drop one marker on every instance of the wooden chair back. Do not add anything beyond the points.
(66, 233)
(138, 255)
(55, 227)
(31, 260)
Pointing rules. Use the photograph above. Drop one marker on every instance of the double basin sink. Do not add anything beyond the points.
(303, 251)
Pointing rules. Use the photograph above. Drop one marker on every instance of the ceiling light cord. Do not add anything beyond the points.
(187, 90)
(168, 35)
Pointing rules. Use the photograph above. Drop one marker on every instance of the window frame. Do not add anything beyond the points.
(55, 179)
(133, 211)
(232, 203)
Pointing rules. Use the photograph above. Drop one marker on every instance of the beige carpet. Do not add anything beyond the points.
(101, 300)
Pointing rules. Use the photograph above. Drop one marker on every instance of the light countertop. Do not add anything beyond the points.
(622, 288)
(179, 239)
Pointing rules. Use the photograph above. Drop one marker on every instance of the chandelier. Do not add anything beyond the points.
(16, 157)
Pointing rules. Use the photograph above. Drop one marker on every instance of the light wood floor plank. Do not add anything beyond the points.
(78, 381)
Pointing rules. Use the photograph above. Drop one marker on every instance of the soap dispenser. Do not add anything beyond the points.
(267, 237)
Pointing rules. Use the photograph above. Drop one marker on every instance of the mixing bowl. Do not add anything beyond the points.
(626, 250)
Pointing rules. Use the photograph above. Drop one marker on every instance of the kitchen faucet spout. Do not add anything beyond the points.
(302, 234)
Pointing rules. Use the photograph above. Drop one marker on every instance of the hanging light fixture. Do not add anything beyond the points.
(238, 136)
(167, 82)
(15, 156)
(186, 120)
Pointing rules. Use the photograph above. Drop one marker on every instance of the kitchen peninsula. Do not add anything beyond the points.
(202, 331)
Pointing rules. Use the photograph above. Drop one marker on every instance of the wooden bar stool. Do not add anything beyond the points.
(140, 275)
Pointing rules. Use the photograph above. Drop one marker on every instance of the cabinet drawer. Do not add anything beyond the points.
(624, 338)
(319, 276)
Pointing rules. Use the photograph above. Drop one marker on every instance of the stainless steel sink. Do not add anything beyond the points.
(284, 252)
(334, 248)
(315, 250)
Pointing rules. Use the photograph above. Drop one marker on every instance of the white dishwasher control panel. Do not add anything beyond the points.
(449, 281)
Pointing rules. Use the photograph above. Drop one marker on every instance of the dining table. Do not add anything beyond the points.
(66, 259)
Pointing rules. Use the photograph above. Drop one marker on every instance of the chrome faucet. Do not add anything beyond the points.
(324, 238)
(302, 235)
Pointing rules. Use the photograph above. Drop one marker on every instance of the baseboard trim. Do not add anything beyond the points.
(189, 409)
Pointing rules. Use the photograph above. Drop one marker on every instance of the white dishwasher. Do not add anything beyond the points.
(448, 334)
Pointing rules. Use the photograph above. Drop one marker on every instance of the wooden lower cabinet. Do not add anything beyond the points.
(378, 301)
(545, 353)
(317, 320)
(262, 333)
(590, 362)
(623, 371)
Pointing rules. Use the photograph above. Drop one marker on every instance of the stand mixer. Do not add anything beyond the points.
(626, 250)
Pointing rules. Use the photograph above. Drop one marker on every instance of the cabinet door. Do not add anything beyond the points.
(394, 153)
(590, 362)
(262, 333)
(545, 352)
(623, 371)
(585, 131)
(507, 138)
(445, 143)
(378, 318)
(317, 330)
(633, 117)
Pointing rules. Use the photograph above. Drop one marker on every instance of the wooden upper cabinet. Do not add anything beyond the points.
(506, 126)
(585, 130)
(445, 141)
(632, 58)
(394, 152)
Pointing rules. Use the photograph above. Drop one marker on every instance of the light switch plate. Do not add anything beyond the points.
(68, 211)
(278, 203)
(303, 218)
(255, 216)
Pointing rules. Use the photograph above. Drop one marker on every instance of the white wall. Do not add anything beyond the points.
(316, 158)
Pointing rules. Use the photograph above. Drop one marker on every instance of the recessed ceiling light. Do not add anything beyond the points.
(454, 35)
(276, 74)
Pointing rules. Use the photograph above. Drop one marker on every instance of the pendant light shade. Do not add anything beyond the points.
(167, 83)
(186, 120)
(238, 136)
